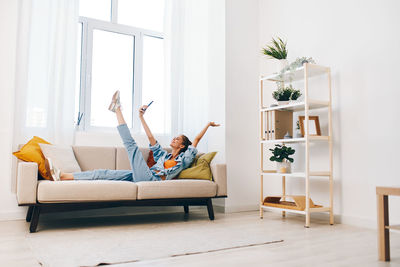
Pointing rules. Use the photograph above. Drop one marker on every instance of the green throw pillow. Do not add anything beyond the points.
(200, 169)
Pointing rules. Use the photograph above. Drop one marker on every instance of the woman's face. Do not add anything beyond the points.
(177, 142)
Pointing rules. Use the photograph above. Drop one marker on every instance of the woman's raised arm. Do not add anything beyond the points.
(200, 135)
(150, 136)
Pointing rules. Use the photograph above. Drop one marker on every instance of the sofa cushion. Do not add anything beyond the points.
(200, 169)
(92, 158)
(122, 161)
(176, 189)
(31, 152)
(85, 191)
(62, 157)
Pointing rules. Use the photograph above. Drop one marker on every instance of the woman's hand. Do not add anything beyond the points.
(200, 135)
(142, 110)
(213, 124)
(146, 128)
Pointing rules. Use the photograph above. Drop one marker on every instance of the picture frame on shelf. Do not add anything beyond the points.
(315, 128)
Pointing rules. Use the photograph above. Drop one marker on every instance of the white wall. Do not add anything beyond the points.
(359, 40)
(8, 42)
(216, 77)
(242, 70)
(216, 82)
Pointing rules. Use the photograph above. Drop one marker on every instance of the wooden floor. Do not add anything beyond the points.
(320, 245)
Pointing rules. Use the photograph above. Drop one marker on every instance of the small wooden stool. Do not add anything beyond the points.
(382, 194)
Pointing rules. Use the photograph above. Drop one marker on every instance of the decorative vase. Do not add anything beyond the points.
(281, 64)
(281, 103)
(284, 166)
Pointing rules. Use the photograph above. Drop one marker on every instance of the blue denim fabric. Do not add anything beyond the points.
(116, 175)
(183, 160)
(140, 171)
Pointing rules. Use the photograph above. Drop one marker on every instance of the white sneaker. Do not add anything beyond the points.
(54, 172)
(115, 102)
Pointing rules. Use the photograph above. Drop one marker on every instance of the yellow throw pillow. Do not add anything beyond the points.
(200, 169)
(31, 152)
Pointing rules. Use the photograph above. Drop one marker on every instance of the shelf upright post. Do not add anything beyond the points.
(261, 150)
(307, 139)
(331, 218)
(283, 193)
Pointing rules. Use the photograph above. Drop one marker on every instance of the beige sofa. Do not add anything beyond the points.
(48, 196)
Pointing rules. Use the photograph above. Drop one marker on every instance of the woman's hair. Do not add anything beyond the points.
(186, 142)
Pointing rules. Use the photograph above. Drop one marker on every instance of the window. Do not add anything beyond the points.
(142, 13)
(95, 9)
(122, 48)
(153, 82)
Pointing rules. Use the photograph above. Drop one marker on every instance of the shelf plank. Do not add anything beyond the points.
(296, 140)
(295, 174)
(313, 71)
(293, 140)
(282, 209)
(299, 106)
(312, 210)
(320, 173)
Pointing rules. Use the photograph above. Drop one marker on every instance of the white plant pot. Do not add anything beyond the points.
(284, 167)
(281, 64)
(281, 103)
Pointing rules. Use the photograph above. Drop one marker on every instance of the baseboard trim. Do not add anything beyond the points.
(13, 215)
(238, 208)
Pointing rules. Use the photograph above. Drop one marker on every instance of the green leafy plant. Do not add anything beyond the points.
(295, 93)
(297, 125)
(286, 93)
(282, 94)
(281, 152)
(276, 50)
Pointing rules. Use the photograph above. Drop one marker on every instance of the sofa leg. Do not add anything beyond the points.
(29, 214)
(35, 219)
(186, 208)
(210, 209)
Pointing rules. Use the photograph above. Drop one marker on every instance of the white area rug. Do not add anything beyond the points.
(113, 240)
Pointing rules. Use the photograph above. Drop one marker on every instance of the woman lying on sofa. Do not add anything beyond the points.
(168, 165)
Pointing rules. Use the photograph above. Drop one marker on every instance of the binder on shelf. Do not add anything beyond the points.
(277, 123)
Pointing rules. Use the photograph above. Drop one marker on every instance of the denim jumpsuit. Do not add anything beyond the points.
(140, 171)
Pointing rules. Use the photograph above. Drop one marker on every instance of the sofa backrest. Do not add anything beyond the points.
(112, 158)
(91, 158)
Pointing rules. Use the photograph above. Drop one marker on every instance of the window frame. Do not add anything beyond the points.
(88, 26)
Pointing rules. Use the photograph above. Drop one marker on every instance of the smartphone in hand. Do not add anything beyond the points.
(144, 109)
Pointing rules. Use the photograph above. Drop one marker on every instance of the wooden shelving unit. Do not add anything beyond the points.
(301, 74)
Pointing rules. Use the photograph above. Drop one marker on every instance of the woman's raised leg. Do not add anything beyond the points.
(140, 170)
(120, 116)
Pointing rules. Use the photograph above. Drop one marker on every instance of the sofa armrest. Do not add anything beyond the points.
(27, 179)
(219, 175)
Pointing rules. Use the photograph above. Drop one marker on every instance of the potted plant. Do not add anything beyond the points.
(295, 93)
(277, 50)
(285, 94)
(281, 155)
